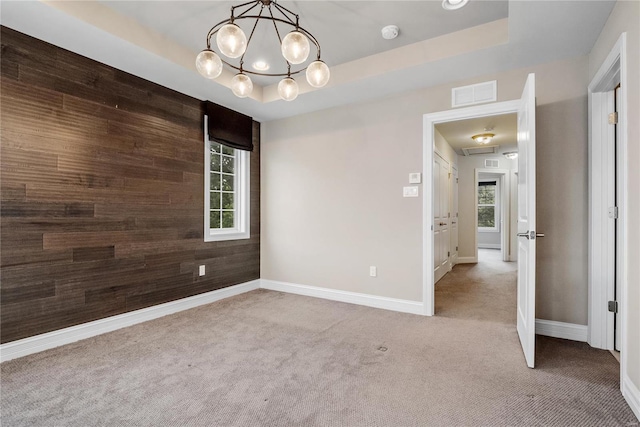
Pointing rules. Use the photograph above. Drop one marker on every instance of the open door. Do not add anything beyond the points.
(527, 220)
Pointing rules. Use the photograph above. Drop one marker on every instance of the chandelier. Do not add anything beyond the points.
(233, 43)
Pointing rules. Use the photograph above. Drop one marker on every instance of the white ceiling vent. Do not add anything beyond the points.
(484, 149)
(491, 163)
(474, 94)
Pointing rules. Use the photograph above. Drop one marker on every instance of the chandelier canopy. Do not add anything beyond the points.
(233, 43)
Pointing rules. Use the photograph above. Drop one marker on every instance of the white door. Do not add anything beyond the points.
(454, 216)
(527, 220)
(440, 217)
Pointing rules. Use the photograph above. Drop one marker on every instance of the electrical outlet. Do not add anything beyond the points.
(202, 270)
(373, 271)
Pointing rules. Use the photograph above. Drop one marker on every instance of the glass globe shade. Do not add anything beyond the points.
(231, 41)
(295, 47)
(288, 89)
(241, 85)
(209, 64)
(318, 74)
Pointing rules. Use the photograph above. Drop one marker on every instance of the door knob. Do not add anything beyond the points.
(530, 235)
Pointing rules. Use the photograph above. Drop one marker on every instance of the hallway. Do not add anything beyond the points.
(484, 291)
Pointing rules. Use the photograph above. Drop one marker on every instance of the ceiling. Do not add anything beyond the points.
(458, 133)
(158, 41)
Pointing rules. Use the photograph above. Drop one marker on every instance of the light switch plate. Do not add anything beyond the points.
(415, 178)
(411, 191)
(202, 270)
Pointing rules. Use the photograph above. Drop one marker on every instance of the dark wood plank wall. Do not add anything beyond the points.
(102, 193)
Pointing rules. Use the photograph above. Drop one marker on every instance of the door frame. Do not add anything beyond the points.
(428, 147)
(602, 171)
(505, 211)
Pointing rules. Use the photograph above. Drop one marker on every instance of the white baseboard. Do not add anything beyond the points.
(37, 343)
(489, 246)
(567, 331)
(631, 395)
(404, 306)
(467, 260)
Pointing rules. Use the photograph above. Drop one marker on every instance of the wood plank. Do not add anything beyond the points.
(46, 210)
(93, 254)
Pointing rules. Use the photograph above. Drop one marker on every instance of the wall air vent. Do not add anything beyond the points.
(491, 163)
(474, 94)
(482, 149)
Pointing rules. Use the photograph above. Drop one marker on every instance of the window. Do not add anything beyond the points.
(226, 192)
(487, 206)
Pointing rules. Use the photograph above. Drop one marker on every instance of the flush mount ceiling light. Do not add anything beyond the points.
(233, 43)
(453, 4)
(511, 155)
(260, 66)
(483, 138)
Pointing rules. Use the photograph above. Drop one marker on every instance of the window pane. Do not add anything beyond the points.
(228, 164)
(486, 216)
(215, 181)
(227, 182)
(215, 163)
(214, 200)
(227, 220)
(215, 147)
(227, 201)
(214, 218)
(486, 195)
(229, 151)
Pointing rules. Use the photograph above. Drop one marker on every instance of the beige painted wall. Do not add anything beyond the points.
(626, 17)
(332, 191)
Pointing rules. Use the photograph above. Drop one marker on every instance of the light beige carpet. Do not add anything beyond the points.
(271, 359)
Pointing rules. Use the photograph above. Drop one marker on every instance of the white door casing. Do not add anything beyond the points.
(453, 260)
(526, 288)
(440, 217)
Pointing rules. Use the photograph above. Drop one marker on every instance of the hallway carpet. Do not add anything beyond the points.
(272, 359)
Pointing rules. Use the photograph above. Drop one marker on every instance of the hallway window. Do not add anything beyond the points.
(487, 206)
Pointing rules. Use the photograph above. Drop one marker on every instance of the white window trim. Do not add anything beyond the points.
(496, 207)
(241, 199)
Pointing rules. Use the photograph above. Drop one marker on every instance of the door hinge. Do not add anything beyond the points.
(613, 306)
(613, 212)
(448, 254)
(457, 180)
(613, 118)
(449, 215)
(456, 249)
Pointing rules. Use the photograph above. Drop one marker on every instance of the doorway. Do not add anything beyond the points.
(526, 138)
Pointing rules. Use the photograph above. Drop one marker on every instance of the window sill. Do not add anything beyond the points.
(222, 236)
(488, 230)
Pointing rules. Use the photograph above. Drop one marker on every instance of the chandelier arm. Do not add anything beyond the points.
(273, 18)
(255, 3)
(255, 73)
(252, 31)
(283, 10)
(312, 38)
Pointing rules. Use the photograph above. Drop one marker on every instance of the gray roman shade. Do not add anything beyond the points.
(228, 127)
